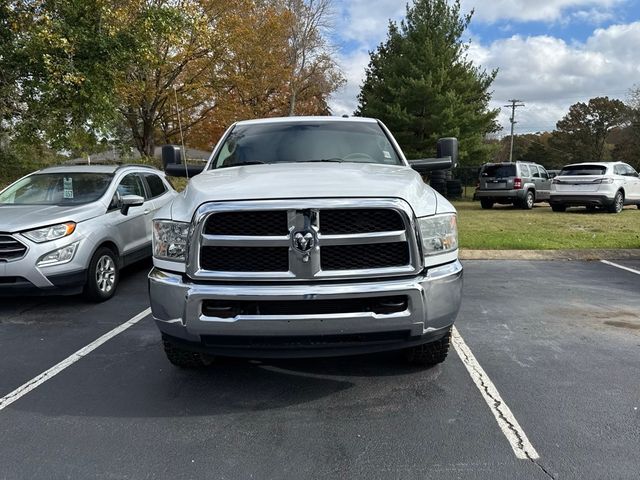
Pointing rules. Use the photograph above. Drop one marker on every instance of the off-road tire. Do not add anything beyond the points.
(103, 260)
(486, 204)
(184, 358)
(528, 201)
(617, 204)
(558, 207)
(429, 354)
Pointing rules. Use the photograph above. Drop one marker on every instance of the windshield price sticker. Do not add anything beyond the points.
(68, 188)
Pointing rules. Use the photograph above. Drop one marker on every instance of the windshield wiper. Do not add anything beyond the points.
(239, 164)
(335, 159)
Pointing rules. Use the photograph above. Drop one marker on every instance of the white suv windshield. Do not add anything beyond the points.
(306, 142)
(56, 189)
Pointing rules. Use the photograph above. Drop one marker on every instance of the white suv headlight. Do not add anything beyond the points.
(53, 232)
(170, 240)
(439, 233)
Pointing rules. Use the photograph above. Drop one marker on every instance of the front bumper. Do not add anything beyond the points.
(22, 276)
(433, 302)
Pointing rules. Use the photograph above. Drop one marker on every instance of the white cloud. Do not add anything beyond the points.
(528, 10)
(353, 66)
(367, 22)
(549, 74)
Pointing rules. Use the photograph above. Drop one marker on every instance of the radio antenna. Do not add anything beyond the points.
(184, 152)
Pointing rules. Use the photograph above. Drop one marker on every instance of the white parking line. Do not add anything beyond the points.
(70, 360)
(632, 270)
(506, 421)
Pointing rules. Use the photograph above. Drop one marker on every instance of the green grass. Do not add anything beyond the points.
(509, 228)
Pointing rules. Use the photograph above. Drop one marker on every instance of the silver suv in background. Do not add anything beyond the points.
(609, 185)
(519, 183)
(66, 230)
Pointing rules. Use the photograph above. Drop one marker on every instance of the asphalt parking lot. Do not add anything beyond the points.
(560, 341)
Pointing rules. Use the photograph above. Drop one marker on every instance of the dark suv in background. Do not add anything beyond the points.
(519, 183)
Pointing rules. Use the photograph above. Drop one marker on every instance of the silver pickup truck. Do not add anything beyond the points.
(306, 237)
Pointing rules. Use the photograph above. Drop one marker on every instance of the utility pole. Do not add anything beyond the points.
(513, 106)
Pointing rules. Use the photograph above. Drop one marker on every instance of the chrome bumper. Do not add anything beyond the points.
(434, 301)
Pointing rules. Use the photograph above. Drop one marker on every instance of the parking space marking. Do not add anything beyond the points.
(506, 421)
(70, 360)
(632, 270)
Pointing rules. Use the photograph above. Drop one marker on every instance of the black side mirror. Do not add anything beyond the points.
(128, 201)
(172, 163)
(448, 147)
(447, 157)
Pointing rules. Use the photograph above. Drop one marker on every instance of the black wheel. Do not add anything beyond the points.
(429, 353)
(486, 203)
(184, 358)
(558, 207)
(528, 201)
(618, 203)
(638, 205)
(103, 275)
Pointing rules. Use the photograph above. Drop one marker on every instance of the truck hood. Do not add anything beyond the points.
(307, 180)
(17, 218)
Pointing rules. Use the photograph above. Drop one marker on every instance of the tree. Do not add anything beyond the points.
(422, 85)
(627, 147)
(313, 72)
(583, 131)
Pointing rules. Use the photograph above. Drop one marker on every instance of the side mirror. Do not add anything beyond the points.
(172, 163)
(128, 201)
(447, 157)
(448, 147)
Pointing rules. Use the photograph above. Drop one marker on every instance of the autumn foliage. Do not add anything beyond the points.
(136, 71)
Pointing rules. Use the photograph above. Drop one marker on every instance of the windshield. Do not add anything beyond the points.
(583, 170)
(499, 171)
(56, 189)
(306, 142)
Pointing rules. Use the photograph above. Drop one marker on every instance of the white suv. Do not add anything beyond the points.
(609, 185)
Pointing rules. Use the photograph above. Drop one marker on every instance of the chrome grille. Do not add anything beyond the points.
(341, 239)
(10, 248)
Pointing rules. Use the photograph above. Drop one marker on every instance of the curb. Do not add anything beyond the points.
(585, 255)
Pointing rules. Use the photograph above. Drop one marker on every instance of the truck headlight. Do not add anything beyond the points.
(439, 233)
(170, 240)
(52, 232)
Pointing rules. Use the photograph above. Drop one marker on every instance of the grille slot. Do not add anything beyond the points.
(258, 223)
(361, 220)
(234, 308)
(356, 257)
(245, 259)
(10, 248)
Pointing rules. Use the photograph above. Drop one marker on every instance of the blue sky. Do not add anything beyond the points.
(549, 53)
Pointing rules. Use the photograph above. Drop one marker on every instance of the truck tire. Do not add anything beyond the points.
(103, 276)
(184, 358)
(454, 189)
(486, 203)
(558, 207)
(429, 354)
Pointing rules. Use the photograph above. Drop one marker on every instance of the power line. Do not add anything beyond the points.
(513, 106)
